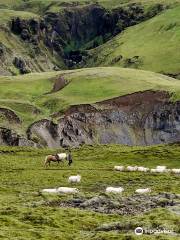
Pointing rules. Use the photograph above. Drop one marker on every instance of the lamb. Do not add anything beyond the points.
(142, 169)
(50, 190)
(119, 168)
(176, 170)
(67, 190)
(143, 190)
(114, 189)
(131, 169)
(74, 179)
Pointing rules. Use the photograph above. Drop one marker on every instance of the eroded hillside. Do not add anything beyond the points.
(98, 105)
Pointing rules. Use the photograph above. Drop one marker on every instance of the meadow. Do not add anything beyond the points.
(24, 215)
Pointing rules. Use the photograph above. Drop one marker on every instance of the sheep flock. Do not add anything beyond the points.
(158, 169)
(115, 190)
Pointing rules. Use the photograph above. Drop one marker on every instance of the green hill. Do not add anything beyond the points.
(27, 94)
(152, 45)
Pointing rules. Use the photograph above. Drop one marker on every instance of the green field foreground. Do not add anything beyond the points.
(23, 214)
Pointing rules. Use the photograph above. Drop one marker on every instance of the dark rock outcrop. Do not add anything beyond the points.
(142, 118)
(21, 65)
(10, 138)
(131, 205)
(59, 84)
(10, 115)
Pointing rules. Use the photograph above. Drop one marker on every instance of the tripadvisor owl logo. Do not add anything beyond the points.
(138, 231)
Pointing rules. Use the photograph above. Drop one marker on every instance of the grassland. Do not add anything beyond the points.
(7, 14)
(155, 41)
(23, 215)
(41, 6)
(24, 94)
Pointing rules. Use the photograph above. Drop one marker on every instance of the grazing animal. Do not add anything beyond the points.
(60, 157)
(142, 169)
(176, 170)
(159, 169)
(67, 190)
(114, 189)
(143, 190)
(74, 179)
(119, 168)
(156, 170)
(131, 169)
(50, 190)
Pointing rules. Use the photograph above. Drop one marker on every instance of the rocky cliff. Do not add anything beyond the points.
(60, 40)
(142, 118)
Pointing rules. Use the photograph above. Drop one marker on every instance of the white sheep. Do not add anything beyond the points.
(154, 170)
(74, 179)
(161, 167)
(50, 190)
(131, 169)
(67, 190)
(114, 189)
(176, 170)
(119, 168)
(142, 169)
(143, 190)
(158, 170)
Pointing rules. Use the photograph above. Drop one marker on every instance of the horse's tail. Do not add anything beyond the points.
(45, 161)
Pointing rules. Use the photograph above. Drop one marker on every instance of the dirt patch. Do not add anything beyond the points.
(10, 115)
(120, 205)
(59, 84)
(127, 102)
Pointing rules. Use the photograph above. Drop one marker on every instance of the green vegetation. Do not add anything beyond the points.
(152, 45)
(23, 215)
(7, 14)
(41, 6)
(24, 94)
(155, 41)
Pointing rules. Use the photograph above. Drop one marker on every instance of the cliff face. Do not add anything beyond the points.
(60, 39)
(10, 138)
(143, 118)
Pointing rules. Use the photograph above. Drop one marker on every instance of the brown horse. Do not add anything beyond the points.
(58, 158)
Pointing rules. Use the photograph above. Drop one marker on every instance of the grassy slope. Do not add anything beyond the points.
(40, 6)
(22, 175)
(86, 86)
(156, 41)
(7, 14)
(24, 93)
